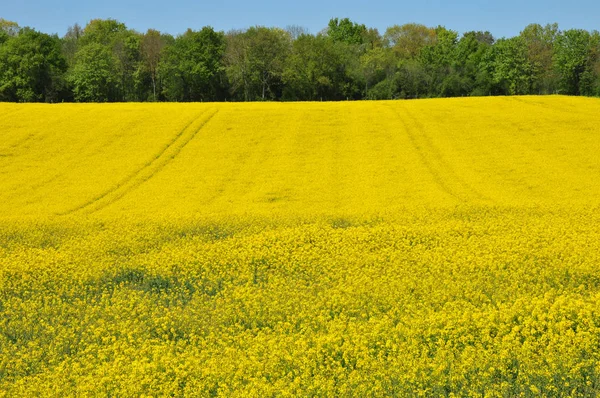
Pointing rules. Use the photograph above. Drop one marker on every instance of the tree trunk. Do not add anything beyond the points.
(154, 86)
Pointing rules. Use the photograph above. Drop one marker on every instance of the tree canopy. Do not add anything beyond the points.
(105, 61)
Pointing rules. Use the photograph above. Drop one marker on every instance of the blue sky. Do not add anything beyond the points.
(502, 18)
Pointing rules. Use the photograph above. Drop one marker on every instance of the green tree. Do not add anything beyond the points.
(372, 39)
(408, 40)
(594, 65)
(192, 69)
(590, 79)
(411, 79)
(127, 55)
(471, 51)
(32, 68)
(256, 59)
(119, 44)
(92, 77)
(152, 45)
(71, 43)
(540, 52)
(314, 70)
(510, 68)
(346, 31)
(8, 29)
(572, 52)
(102, 31)
(378, 67)
(438, 60)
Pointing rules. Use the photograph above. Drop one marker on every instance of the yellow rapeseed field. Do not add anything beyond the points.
(446, 247)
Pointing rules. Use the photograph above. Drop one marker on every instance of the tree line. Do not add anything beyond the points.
(107, 62)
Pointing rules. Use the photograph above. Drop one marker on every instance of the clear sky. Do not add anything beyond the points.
(500, 17)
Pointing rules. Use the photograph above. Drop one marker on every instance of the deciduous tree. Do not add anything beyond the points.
(192, 67)
(151, 46)
(256, 59)
(92, 77)
(32, 68)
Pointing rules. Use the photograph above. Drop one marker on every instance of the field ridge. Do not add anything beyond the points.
(150, 169)
(441, 171)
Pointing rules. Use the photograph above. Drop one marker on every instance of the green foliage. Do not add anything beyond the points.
(191, 69)
(471, 51)
(408, 40)
(255, 62)
(510, 67)
(31, 67)
(346, 31)
(312, 69)
(411, 79)
(71, 43)
(438, 60)
(540, 50)
(102, 31)
(126, 52)
(106, 61)
(377, 65)
(571, 56)
(8, 29)
(151, 46)
(93, 78)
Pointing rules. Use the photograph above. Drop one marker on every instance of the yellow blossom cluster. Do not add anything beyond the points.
(421, 248)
